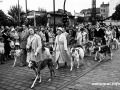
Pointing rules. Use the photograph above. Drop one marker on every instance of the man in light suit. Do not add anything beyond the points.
(23, 41)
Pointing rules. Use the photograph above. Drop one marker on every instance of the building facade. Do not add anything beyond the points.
(58, 18)
(104, 10)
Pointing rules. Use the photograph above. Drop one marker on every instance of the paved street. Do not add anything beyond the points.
(19, 78)
(104, 77)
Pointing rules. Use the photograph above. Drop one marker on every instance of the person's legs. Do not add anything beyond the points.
(2, 58)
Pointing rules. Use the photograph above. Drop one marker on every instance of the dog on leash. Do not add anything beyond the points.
(40, 66)
(88, 47)
(16, 56)
(15, 51)
(102, 52)
(114, 43)
(77, 53)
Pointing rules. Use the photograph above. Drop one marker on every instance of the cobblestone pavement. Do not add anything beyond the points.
(19, 78)
(104, 77)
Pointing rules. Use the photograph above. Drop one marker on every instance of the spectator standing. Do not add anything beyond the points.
(6, 43)
(23, 41)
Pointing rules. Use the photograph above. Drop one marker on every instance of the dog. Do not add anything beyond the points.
(102, 51)
(40, 66)
(97, 41)
(16, 54)
(114, 43)
(88, 47)
(77, 53)
(15, 51)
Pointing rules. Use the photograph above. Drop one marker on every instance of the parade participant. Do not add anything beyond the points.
(79, 36)
(42, 35)
(108, 34)
(33, 46)
(61, 49)
(51, 36)
(23, 35)
(90, 32)
(84, 36)
(99, 34)
(66, 35)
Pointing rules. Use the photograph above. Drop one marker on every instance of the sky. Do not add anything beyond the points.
(71, 5)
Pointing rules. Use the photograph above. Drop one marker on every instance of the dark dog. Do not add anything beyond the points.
(88, 47)
(102, 51)
(40, 66)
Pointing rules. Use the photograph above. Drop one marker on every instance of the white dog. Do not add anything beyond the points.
(114, 43)
(76, 54)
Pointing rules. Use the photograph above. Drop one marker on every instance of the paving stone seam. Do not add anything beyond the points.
(89, 70)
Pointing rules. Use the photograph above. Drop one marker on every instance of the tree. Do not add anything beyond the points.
(116, 14)
(41, 20)
(13, 12)
(4, 19)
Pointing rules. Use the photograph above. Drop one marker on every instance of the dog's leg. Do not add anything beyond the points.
(100, 57)
(14, 62)
(78, 63)
(96, 55)
(57, 65)
(34, 81)
(53, 71)
(50, 74)
(71, 64)
(40, 78)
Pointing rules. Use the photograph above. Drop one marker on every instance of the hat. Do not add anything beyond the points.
(60, 29)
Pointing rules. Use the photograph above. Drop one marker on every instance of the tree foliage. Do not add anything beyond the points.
(14, 12)
(116, 14)
(4, 19)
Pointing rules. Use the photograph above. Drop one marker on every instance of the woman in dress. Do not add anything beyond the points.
(61, 49)
(79, 37)
(108, 35)
(33, 46)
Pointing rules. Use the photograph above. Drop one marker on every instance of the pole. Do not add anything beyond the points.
(64, 6)
(18, 13)
(26, 12)
(54, 16)
(64, 13)
(34, 19)
(26, 7)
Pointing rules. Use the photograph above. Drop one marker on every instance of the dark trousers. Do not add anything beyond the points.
(23, 57)
(1, 58)
(7, 51)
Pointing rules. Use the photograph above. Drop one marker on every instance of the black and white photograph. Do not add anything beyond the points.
(59, 44)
